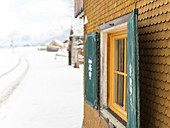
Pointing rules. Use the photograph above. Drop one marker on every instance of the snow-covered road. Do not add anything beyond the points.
(8, 61)
(49, 96)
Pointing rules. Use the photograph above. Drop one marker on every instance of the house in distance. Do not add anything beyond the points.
(55, 45)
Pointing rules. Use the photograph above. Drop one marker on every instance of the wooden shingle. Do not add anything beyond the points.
(154, 52)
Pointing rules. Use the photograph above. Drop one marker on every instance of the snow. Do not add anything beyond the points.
(78, 27)
(9, 60)
(49, 96)
(9, 81)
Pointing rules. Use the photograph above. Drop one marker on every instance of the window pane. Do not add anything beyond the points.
(119, 89)
(119, 55)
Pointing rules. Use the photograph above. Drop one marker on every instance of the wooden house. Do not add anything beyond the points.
(55, 45)
(75, 47)
(127, 63)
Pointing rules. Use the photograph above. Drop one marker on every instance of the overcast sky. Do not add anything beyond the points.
(34, 18)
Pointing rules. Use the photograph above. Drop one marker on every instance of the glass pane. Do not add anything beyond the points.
(119, 90)
(119, 55)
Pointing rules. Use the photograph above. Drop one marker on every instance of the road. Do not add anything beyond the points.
(49, 96)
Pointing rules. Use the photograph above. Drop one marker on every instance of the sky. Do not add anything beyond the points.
(34, 21)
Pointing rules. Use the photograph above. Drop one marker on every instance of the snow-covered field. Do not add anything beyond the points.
(50, 95)
(8, 59)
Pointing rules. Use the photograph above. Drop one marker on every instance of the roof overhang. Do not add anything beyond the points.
(80, 14)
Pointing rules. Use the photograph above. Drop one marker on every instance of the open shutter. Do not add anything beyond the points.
(91, 69)
(132, 71)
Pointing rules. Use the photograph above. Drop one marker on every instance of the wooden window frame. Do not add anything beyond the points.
(108, 115)
(116, 34)
(105, 112)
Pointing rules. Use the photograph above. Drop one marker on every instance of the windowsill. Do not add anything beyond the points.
(120, 112)
(112, 118)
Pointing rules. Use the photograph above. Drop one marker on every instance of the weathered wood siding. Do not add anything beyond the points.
(154, 49)
(78, 7)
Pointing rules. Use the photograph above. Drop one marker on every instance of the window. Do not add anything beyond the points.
(117, 74)
(118, 36)
(119, 71)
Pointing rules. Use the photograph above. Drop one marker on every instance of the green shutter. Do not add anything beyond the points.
(133, 71)
(91, 69)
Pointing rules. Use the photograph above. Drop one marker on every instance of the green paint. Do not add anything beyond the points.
(91, 69)
(133, 120)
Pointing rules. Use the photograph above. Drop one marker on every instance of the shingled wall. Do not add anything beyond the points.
(154, 48)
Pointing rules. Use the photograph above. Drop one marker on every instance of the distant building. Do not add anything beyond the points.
(55, 45)
(65, 43)
(77, 50)
(42, 46)
(76, 46)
